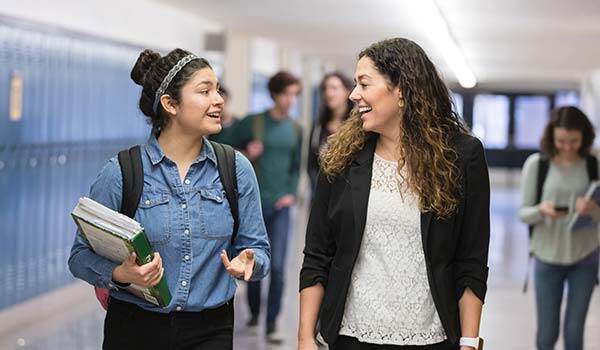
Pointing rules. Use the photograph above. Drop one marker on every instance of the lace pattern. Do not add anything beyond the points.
(389, 300)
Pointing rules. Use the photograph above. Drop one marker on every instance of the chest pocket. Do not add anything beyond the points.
(215, 215)
(154, 215)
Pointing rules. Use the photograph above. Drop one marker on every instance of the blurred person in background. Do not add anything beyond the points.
(397, 239)
(562, 256)
(184, 215)
(335, 108)
(272, 141)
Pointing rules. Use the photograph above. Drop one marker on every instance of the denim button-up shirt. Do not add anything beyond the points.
(188, 222)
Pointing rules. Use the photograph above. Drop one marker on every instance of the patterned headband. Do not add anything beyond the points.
(167, 80)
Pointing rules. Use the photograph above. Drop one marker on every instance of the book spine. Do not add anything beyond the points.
(145, 254)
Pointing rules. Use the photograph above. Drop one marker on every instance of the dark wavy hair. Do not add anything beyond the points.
(570, 118)
(281, 80)
(149, 71)
(428, 126)
(326, 113)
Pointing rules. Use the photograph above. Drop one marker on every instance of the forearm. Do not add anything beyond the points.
(531, 215)
(310, 303)
(470, 308)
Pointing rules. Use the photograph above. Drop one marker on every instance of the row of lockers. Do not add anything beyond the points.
(40, 186)
(79, 107)
(73, 88)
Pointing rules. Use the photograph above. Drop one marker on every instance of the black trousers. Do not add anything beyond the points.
(130, 327)
(348, 343)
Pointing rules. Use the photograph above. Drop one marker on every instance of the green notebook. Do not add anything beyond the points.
(115, 236)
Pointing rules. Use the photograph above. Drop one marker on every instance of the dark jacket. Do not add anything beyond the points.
(456, 249)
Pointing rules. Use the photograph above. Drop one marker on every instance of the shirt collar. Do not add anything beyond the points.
(156, 153)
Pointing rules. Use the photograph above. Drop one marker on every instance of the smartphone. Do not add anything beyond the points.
(561, 209)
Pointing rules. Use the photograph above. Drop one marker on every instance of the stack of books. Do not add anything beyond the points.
(115, 236)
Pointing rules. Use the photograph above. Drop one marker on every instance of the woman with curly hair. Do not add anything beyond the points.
(397, 239)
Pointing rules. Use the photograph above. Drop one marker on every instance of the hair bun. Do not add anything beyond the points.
(146, 59)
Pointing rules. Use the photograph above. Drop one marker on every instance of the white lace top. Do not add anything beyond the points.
(389, 300)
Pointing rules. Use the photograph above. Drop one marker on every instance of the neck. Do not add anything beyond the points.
(387, 147)
(180, 147)
(567, 158)
(278, 113)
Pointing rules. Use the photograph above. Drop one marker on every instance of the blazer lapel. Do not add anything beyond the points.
(425, 223)
(361, 171)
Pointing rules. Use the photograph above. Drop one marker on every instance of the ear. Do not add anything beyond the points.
(399, 92)
(168, 104)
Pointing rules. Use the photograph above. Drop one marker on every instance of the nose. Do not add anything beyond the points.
(354, 95)
(218, 100)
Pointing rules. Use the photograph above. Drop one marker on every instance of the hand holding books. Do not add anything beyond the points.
(584, 206)
(241, 266)
(146, 276)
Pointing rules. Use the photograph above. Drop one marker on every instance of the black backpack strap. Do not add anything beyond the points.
(591, 163)
(227, 173)
(132, 172)
(543, 167)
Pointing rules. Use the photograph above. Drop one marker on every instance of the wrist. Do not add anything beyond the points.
(118, 275)
(471, 343)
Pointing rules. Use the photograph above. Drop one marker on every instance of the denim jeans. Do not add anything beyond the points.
(277, 223)
(550, 280)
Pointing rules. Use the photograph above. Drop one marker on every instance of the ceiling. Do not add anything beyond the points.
(515, 44)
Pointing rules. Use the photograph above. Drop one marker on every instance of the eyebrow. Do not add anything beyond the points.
(205, 82)
(361, 76)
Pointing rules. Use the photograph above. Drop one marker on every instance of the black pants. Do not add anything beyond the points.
(130, 327)
(348, 343)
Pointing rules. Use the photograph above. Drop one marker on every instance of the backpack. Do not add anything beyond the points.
(591, 164)
(132, 171)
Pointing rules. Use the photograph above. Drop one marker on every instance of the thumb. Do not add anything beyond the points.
(249, 254)
(132, 258)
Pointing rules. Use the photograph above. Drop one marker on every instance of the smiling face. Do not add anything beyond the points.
(567, 142)
(200, 106)
(376, 100)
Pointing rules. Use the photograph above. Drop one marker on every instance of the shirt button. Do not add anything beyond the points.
(183, 206)
(187, 257)
(186, 231)
(184, 283)
(147, 202)
(187, 181)
(218, 198)
(179, 308)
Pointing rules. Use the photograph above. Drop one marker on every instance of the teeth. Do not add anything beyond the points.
(364, 109)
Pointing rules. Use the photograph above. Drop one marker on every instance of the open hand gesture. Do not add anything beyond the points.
(241, 266)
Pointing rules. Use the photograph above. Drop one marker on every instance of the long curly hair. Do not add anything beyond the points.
(427, 126)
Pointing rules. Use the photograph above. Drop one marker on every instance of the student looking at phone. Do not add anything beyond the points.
(562, 255)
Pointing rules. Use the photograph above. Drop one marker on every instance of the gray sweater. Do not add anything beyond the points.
(553, 241)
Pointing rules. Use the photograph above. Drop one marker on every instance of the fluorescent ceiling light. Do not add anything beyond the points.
(434, 24)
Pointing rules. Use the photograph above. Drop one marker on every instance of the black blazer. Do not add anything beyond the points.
(456, 249)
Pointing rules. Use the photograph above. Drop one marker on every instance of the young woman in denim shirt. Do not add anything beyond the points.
(185, 215)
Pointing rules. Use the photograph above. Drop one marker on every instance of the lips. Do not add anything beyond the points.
(216, 114)
(364, 109)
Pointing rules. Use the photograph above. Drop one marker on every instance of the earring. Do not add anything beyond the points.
(401, 103)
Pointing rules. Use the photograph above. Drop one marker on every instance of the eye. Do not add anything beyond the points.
(204, 92)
